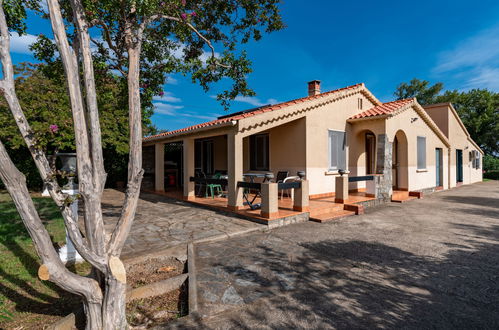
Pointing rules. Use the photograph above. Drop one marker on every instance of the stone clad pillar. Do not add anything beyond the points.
(159, 167)
(384, 167)
(301, 198)
(235, 170)
(270, 206)
(188, 160)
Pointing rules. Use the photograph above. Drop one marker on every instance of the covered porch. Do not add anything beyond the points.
(253, 174)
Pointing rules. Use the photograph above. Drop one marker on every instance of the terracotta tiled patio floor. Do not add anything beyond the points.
(323, 206)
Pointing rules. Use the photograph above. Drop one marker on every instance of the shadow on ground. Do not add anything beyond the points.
(338, 283)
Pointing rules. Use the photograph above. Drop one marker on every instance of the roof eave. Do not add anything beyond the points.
(193, 131)
(384, 116)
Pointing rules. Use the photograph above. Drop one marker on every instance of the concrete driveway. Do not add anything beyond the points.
(163, 225)
(430, 263)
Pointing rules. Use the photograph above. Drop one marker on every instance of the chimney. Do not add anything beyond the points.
(314, 87)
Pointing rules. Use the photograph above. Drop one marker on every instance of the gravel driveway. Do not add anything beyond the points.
(430, 263)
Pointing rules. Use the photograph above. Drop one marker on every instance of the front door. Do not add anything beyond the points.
(439, 169)
(459, 165)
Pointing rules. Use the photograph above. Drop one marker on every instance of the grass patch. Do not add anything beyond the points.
(26, 301)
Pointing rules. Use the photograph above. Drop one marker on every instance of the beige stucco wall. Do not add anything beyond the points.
(286, 148)
(332, 116)
(448, 122)
(219, 152)
(440, 115)
(459, 140)
(418, 179)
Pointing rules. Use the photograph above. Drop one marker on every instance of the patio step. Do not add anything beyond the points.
(327, 209)
(402, 196)
(339, 214)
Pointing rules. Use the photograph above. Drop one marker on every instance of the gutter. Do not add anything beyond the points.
(231, 123)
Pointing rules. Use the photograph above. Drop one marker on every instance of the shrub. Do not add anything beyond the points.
(490, 163)
(492, 175)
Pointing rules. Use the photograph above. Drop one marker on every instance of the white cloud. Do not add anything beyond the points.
(167, 97)
(474, 61)
(20, 44)
(166, 108)
(486, 77)
(172, 110)
(171, 81)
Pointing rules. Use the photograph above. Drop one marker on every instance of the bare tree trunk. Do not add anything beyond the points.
(114, 298)
(104, 310)
(89, 289)
(89, 183)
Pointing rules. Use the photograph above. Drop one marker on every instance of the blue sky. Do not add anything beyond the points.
(380, 43)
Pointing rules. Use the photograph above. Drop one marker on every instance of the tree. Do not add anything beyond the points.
(479, 111)
(419, 89)
(136, 35)
(44, 100)
(477, 108)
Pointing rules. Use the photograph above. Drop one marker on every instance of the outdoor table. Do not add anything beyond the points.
(251, 177)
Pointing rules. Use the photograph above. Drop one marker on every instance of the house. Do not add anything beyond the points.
(385, 148)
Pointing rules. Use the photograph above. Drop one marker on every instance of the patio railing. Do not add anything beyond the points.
(209, 180)
(360, 178)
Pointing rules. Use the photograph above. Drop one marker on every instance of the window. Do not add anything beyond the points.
(259, 152)
(476, 159)
(337, 153)
(421, 153)
(359, 103)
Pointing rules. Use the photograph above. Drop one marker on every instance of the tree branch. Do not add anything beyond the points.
(7, 85)
(152, 18)
(88, 145)
(15, 182)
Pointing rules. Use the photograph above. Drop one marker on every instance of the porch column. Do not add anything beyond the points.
(188, 164)
(159, 167)
(270, 207)
(341, 189)
(301, 198)
(235, 170)
(384, 167)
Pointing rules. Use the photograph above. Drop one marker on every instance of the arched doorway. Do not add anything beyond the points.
(400, 162)
(370, 150)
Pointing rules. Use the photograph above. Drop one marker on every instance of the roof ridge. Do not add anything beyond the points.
(383, 109)
(262, 109)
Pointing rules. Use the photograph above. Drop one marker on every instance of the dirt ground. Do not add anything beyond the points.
(429, 263)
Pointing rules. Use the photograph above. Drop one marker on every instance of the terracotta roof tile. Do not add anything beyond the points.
(250, 114)
(383, 109)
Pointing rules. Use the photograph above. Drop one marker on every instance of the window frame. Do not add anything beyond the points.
(331, 168)
(253, 150)
(421, 154)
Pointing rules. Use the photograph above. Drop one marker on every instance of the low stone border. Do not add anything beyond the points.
(157, 288)
(191, 268)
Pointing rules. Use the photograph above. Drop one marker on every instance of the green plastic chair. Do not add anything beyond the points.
(214, 188)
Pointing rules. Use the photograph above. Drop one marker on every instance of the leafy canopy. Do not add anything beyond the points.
(477, 108)
(200, 39)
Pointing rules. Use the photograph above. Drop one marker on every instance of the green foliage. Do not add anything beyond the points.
(490, 163)
(479, 111)
(43, 96)
(477, 108)
(419, 89)
(171, 46)
(45, 103)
